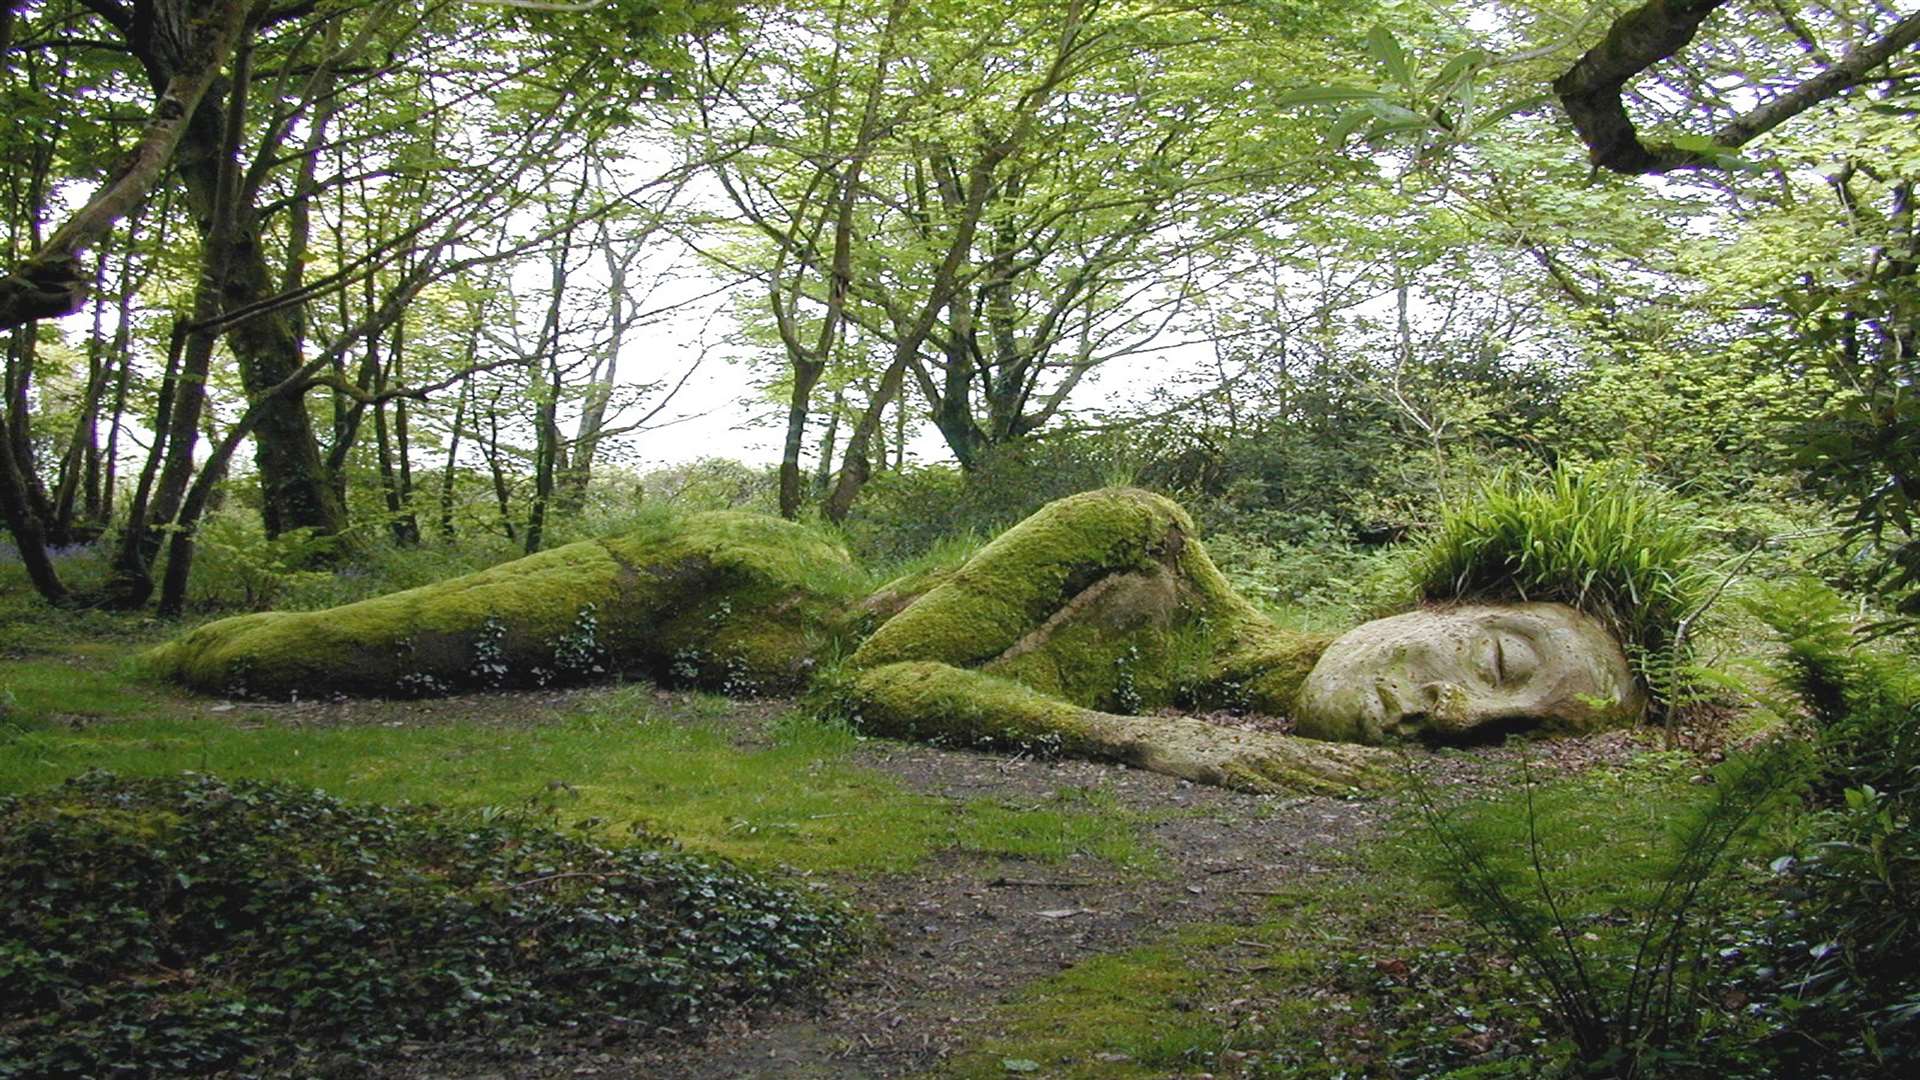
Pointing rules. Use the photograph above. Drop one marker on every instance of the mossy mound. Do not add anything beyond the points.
(1106, 600)
(736, 601)
(190, 927)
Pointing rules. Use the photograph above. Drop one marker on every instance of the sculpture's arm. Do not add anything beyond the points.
(933, 702)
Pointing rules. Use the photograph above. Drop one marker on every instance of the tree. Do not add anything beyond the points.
(1006, 195)
(1591, 91)
(339, 159)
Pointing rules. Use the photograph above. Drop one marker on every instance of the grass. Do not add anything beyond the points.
(1601, 836)
(621, 760)
(619, 765)
(1286, 996)
(1123, 1015)
(40, 690)
(1600, 540)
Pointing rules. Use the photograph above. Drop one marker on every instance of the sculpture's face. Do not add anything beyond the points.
(1451, 674)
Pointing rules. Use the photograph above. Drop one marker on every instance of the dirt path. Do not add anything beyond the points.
(961, 934)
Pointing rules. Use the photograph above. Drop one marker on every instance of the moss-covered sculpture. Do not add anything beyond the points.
(1058, 636)
(731, 600)
(1098, 606)
(1107, 600)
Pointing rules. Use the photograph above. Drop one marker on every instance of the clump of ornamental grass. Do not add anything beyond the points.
(188, 926)
(1601, 540)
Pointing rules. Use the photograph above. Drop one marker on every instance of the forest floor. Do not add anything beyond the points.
(1058, 918)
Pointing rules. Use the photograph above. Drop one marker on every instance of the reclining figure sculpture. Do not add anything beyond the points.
(1075, 632)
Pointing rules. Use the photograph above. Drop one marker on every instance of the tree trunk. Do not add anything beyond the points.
(29, 535)
(49, 282)
(823, 472)
(806, 375)
(396, 478)
(855, 468)
(131, 581)
(547, 453)
(80, 465)
(453, 456)
(491, 450)
(296, 491)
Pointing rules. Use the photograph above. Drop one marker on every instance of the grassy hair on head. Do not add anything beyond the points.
(1601, 539)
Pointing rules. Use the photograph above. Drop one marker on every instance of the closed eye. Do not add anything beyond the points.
(1514, 658)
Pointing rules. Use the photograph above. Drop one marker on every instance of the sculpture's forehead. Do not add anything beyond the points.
(1466, 620)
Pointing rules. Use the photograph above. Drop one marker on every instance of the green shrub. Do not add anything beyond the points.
(1620, 942)
(1312, 574)
(901, 514)
(186, 926)
(237, 567)
(1600, 540)
(1861, 702)
(1845, 949)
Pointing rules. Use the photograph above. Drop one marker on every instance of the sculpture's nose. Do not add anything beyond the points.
(1447, 706)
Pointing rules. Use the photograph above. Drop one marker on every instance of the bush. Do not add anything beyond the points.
(1845, 949)
(1624, 961)
(1309, 573)
(1600, 540)
(901, 514)
(1862, 703)
(237, 567)
(186, 926)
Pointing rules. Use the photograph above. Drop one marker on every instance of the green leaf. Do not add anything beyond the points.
(1456, 67)
(1529, 102)
(1349, 122)
(1386, 49)
(1699, 144)
(1317, 95)
(1393, 127)
(1393, 113)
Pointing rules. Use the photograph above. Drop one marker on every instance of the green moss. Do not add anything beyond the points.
(1264, 669)
(1016, 583)
(1128, 1014)
(1106, 599)
(723, 599)
(935, 702)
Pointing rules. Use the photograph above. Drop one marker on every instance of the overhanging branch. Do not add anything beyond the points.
(1590, 91)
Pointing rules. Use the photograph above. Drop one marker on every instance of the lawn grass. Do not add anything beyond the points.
(619, 764)
(1210, 998)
